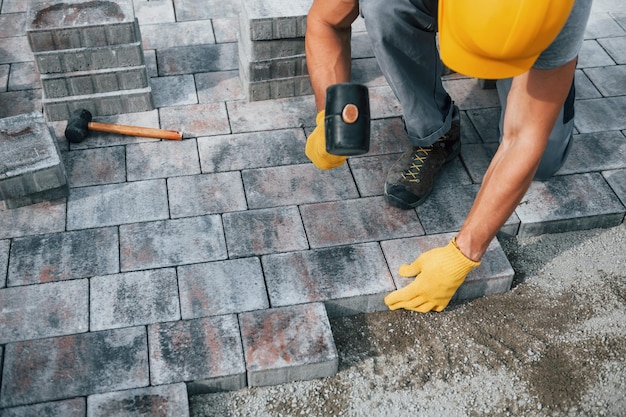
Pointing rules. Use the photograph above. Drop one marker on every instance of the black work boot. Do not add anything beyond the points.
(410, 180)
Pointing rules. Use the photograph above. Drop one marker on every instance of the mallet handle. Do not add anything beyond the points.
(144, 132)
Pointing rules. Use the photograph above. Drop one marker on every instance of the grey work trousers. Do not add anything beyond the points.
(403, 36)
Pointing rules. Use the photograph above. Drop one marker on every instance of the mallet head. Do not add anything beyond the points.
(78, 126)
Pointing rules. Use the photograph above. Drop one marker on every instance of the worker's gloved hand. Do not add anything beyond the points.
(315, 148)
(438, 274)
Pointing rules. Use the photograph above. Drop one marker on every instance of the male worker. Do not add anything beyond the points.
(530, 46)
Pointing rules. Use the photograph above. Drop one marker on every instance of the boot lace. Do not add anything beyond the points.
(412, 173)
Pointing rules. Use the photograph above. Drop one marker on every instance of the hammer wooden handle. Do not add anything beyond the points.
(144, 132)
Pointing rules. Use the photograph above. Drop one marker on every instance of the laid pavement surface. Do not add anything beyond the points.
(214, 263)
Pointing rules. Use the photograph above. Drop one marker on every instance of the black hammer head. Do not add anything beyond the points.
(77, 126)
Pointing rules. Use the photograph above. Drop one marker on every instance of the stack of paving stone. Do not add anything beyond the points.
(31, 169)
(271, 49)
(89, 55)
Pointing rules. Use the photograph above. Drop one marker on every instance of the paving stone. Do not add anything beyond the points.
(277, 88)
(616, 47)
(259, 232)
(24, 77)
(383, 103)
(367, 72)
(204, 9)
(370, 173)
(617, 181)
(593, 55)
(252, 150)
(197, 119)
(168, 158)
(486, 122)
(38, 197)
(63, 256)
(469, 134)
(12, 24)
(197, 58)
(467, 94)
(569, 202)
(13, 6)
(176, 90)
(37, 311)
(271, 115)
(171, 242)
(4, 261)
(206, 351)
(226, 29)
(476, 158)
(296, 184)
(205, 194)
(160, 401)
(596, 152)
(598, 115)
(611, 81)
(170, 35)
(602, 25)
(388, 136)
(23, 101)
(584, 87)
(256, 50)
(213, 87)
(46, 217)
(114, 204)
(150, 12)
(275, 19)
(222, 287)
(151, 63)
(74, 407)
(288, 344)
(494, 275)
(4, 77)
(30, 161)
(96, 166)
(133, 299)
(348, 279)
(15, 49)
(356, 221)
(71, 366)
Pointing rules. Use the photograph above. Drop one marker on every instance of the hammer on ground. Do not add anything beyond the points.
(79, 125)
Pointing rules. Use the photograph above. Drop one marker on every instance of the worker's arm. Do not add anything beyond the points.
(327, 44)
(533, 105)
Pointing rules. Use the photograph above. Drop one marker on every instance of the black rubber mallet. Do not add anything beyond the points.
(79, 125)
(347, 119)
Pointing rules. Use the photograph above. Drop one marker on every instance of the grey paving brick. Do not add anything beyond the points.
(213, 87)
(598, 115)
(12, 24)
(176, 90)
(222, 287)
(494, 275)
(4, 261)
(226, 29)
(94, 82)
(486, 122)
(279, 88)
(259, 232)
(256, 50)
(611, 81)
(370, 173)
(197, 58)
(616, 47)
(467, 94)
(617, 181)
(37, 311)
(596, 152)
(63, 256)
(71, 366)
(38, 197)
(469, 134)
(150, 12)
(74, 407)
(296, 184)
(204, 9)
(348, 279)
(15, 49)
(168, 158)
(206, 351)
(24, 77)
(356, 221)
(383, 103)
(159, 401)
(584, 87)
(99, 104)
(170, 34)
(252, 150)
(288, 344)
(96, 166)
(593, 55)
(275, 68)
(114, 204)
(23, 101)
(271, 115)
(476, 158)
(569, 202)
(197, 119)
(133, 298)
(4, 77)
(366, 71)
(388, 136)
(275, 19)
(206, 194)
(30, 161)
(602, 25)
(171, 242)
(46, 217)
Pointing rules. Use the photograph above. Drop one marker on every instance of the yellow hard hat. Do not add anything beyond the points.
(494, 39)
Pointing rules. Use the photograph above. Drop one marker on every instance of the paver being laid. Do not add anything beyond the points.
(214, 263)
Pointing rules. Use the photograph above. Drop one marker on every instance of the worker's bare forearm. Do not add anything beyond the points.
(327, 41)
(533, 105)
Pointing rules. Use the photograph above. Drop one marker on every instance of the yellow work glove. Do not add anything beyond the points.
(438, 274)
(315, 148)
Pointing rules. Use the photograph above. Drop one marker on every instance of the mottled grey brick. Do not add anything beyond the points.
(596, 152)
(46, 217)
(96, 166)
(159, 401)
(4, 261)
(167, 158)
(197, 58)
(74, 407)
(617, 181)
